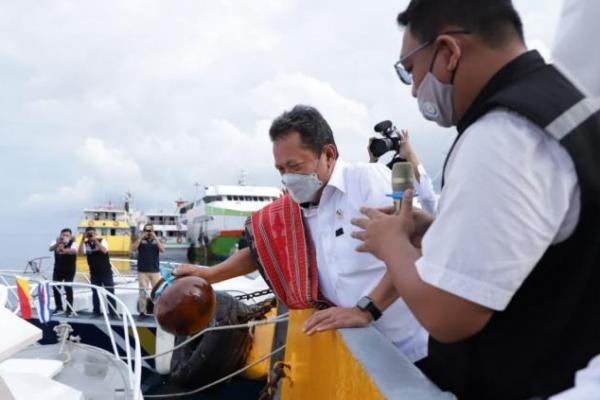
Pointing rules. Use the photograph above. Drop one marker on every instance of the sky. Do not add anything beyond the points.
(103, 97)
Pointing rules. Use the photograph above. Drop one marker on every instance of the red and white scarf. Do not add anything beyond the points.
(287, 254)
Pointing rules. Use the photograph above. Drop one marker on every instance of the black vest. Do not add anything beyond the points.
(99, 263)
(148, 258)
(65, 261)
(551, 327)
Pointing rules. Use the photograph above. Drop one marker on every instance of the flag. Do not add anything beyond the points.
(43, 304)
(24, 297)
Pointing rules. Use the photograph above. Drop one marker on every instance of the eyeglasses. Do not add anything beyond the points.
(403, 74)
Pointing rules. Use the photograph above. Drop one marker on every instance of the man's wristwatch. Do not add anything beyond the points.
(366, 304)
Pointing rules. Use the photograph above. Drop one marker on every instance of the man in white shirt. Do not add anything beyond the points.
(506, 280)
(423, 184)
(331, 192)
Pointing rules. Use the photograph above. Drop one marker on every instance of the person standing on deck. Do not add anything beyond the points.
(96, 251)
(149, 247)
(301, 242)
(507, 278)
(65, 258)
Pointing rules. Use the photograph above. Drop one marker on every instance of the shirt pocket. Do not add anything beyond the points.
(348, 260)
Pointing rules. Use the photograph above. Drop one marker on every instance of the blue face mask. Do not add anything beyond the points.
(302, 187)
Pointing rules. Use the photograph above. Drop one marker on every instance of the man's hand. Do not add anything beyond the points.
(422, 220)
(336, 317)
(383, 232)
(191, 270)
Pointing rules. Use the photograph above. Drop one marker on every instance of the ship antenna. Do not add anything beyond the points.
(242, 178)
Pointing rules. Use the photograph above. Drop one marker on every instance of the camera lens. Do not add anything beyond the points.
(379, 147)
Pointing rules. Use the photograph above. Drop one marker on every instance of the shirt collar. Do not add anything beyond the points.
(336, 180)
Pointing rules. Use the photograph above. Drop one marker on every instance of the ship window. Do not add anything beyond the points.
(113, 232)
(208, 199)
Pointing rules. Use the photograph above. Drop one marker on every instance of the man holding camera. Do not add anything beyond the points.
(149, 247)
(65, 258)
(506, 280)
(301, 243)
(96, 251)
(400, 143)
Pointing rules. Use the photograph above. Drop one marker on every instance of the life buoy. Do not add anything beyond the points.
(179, 240)
(91, 223)
(116, 223)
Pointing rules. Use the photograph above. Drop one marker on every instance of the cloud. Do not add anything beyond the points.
(65, 197)
(152, 97)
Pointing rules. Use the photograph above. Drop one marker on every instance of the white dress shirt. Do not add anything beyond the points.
(346, 275)
(511, 192)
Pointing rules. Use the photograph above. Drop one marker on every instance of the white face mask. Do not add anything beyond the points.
(435, 100)
(303, 188)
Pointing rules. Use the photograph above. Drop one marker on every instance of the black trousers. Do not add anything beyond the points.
(104, 279)
(63, 274)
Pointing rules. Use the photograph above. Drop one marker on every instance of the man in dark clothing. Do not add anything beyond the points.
(65, 257)
(96, 251)
(506, 277)
(149, 247)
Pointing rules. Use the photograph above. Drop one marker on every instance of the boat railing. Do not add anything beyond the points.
(133, 360)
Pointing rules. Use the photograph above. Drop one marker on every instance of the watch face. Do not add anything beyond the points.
(363, 302)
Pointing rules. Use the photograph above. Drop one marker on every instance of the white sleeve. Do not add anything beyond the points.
(52, 243)
(427, 197)
(508, 190)
(105, 244)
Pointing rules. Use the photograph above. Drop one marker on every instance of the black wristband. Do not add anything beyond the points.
(366, 304)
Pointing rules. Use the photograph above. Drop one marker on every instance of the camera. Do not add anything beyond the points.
(391, 141)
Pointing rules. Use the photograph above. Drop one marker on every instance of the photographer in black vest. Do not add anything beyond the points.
(148, 247)
(65, 257)
(506, 279)
(96, 250)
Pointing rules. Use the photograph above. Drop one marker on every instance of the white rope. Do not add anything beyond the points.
(231, 375)
(249, 324)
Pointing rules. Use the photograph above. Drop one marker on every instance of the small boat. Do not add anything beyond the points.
(218, 352)
(68, 369)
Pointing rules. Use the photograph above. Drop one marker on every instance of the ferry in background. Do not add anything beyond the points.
(216, 220)
(112, 224)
